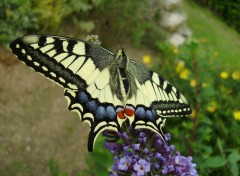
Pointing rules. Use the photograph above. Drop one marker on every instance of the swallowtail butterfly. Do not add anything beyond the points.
(104, 88)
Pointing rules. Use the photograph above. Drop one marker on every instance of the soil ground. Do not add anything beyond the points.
(35, 124)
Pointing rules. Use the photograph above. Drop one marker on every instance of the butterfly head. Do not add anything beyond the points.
(122, 58)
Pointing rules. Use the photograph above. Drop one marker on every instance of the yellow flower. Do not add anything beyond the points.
(212, 107)
(175, 50)
(236, 115)
(224, 75)
(193, 83)
(215, 54)
(184, 74)
(204, 84)
(180, 66)
(236, 75)
(146, 59)
(193, 115)
(203, 40)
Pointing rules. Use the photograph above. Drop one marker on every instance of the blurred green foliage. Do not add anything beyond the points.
(99, 161)
(227, 10)
(54, 168)
(15, 19)
(20, 17)
(211, 135)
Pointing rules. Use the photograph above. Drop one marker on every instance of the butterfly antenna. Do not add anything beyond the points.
(113, 36)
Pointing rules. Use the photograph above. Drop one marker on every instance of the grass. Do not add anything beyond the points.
(222, 42)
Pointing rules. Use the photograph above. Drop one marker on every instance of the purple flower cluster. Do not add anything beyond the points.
(142, 152)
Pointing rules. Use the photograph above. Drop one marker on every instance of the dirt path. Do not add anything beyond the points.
(35, 125)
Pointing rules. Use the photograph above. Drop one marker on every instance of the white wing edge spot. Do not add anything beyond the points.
(44, 68)
(61, 79)
(29, 57)
(53, 74)
(36, 64)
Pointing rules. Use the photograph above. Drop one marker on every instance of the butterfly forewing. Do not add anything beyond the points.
(66, 61)
(79, 67)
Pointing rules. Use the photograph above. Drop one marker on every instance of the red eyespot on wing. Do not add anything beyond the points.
(120, 115)
(129, 112)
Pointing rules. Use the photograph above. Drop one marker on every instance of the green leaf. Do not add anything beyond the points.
(54, 167)
(87, 25)
(97, 2)
(234, 168)
(233, 157)
(215, 161)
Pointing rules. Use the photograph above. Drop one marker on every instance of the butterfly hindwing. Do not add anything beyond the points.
(155, 99)
(100, 116)
(97, 105)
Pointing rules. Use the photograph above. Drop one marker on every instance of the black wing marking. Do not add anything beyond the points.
(155, 99)
(68, 62)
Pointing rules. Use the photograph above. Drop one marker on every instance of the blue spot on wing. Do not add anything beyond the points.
(101, 112)
(111, 113)
(140, 112)
(83, 98)
(154, 114)
(91, 106)
(149, 115)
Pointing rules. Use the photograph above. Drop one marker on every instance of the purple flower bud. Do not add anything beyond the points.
(136, 146)
(113, 147)
(125, 136)
(156, 166)
(167, 136)
(145, 150)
